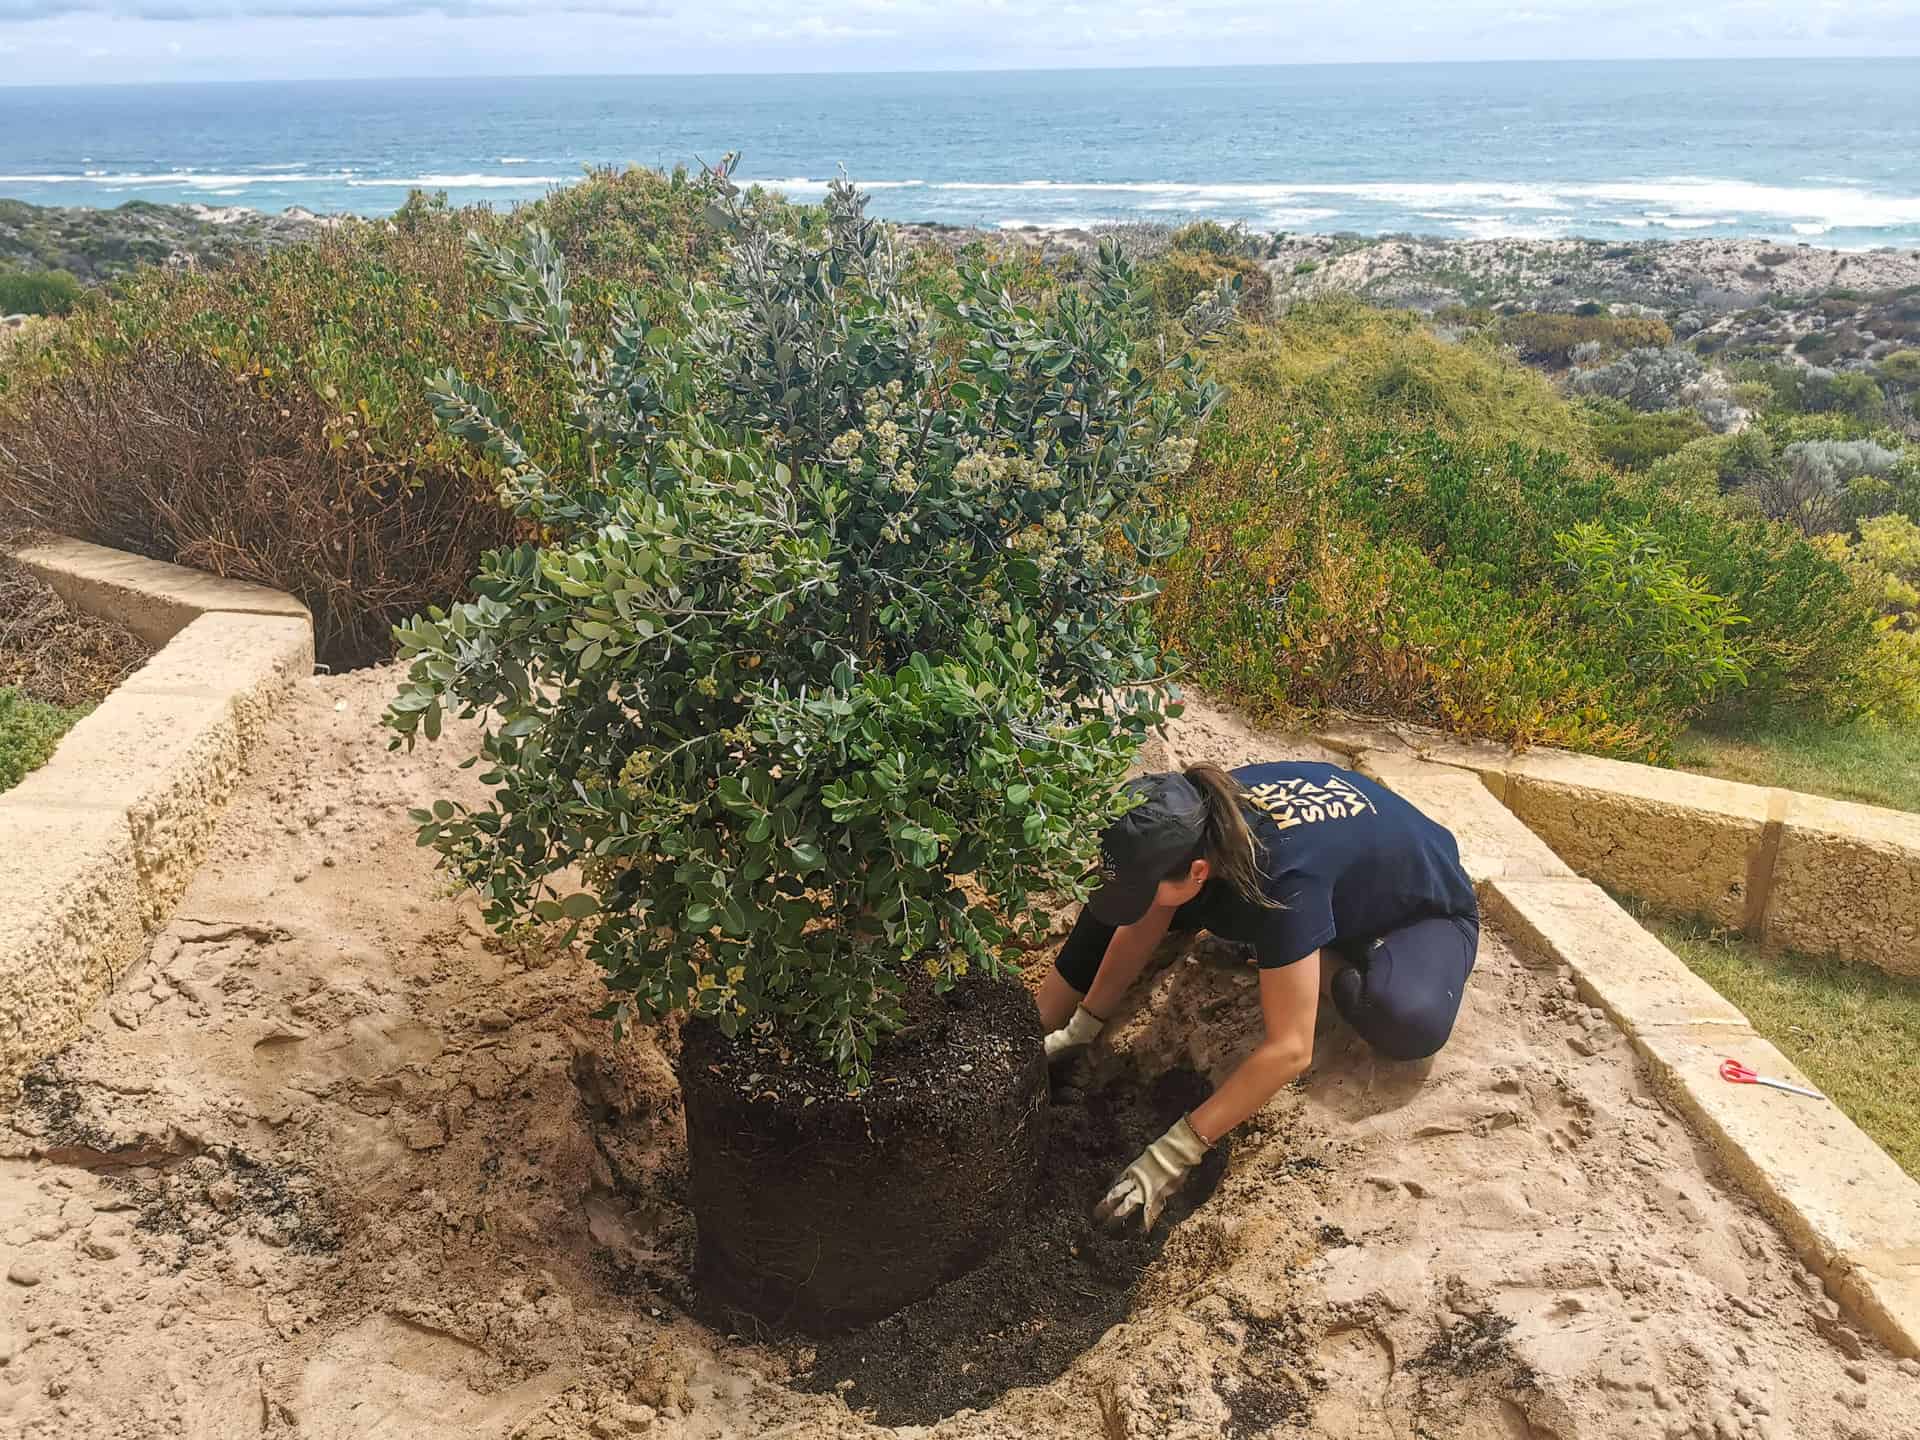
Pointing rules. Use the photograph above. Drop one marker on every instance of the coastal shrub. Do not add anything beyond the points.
(270, 420)
(1334, 563)
(1210, 237)
(1633, 441)
(1179, 279)
(1551, 338)
(37, 292)
(831, 651)
(1811, 484)
(1672, 633)
(1357, 367)
(1649, 378)
(1815, 390)
(1901, 369)
(1890, 545)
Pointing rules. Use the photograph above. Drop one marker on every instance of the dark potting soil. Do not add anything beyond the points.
(920, 1072)
(1045, 1296)
(818, 1210)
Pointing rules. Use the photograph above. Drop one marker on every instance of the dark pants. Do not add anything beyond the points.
(1400, 992)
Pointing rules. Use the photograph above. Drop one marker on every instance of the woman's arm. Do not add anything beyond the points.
(1289, 999)
(1289, 1002)
(1127, 955)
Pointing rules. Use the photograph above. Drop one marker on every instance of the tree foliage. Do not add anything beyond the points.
(834, 650)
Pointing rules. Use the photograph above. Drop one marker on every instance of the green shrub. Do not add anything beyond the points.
(1634, 441)
(29, 731)
(270, 420)
(1356, 367)
(1181, 279)
(839, 609)
(1550, 338)
(37, 292)
(1210, 237)
(1385, 567)
(1673, 634)
(1901, 369)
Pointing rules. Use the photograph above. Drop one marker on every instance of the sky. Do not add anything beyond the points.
(121, 41)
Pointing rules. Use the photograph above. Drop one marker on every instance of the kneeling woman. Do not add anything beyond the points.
(1320, 871)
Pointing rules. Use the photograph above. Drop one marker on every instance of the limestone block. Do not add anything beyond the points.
(1617, 964)
(152, 598)
(249, 661)
(1493, 843)
(69, 923)
(1851, 1212)
(1847, 882)
(165, 764)
(1688, 842)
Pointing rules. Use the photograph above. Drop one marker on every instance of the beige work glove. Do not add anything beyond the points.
(1146, 1184)
(1072, 1040)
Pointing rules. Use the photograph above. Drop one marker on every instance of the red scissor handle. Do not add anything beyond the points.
(1740, 1075)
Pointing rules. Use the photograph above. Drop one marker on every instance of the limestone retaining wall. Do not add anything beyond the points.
(1821, 876)
(98, 845)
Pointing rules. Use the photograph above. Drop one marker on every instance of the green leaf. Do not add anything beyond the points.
(579, 905)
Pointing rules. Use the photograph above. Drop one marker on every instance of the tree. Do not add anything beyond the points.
(835, 648)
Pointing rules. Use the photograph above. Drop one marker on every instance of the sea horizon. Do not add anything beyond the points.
(1807, 151)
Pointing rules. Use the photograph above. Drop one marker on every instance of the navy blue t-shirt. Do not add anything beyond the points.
(1348, 860)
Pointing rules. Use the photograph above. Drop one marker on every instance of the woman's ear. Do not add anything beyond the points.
(1201, 872)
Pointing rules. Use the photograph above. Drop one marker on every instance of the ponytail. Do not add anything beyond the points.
(1228, 844)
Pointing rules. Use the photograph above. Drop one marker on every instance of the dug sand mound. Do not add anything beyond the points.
(334, 1162)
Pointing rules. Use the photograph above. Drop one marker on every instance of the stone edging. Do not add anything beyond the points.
(1851, 1212)
(101, 841)
(1825, 877)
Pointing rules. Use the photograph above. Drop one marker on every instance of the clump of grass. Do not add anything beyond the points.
(1849, 1026)
(29, 730)
(1874, 765)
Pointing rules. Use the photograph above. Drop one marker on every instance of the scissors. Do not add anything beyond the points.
(1740, 1075)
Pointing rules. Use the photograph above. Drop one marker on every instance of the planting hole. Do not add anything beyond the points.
(1050, 1292)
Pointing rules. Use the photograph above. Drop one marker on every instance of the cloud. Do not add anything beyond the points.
(818, 27)
(233, 10)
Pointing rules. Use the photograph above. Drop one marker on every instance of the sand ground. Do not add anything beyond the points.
(337, 1163)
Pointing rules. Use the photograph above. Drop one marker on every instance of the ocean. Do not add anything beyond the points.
(1825, 151)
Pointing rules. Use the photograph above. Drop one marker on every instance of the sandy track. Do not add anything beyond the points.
(335, 1163)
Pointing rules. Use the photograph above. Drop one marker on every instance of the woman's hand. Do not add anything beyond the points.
(1145, 1185)
(1072, 1040)
(1289, 1002)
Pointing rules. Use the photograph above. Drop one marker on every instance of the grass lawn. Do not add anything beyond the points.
(1846, 762)
(1851, 1028)
(29, 729)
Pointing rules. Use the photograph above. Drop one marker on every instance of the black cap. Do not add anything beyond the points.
(1146, 844)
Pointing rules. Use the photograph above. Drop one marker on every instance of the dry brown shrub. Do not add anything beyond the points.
(174, 458)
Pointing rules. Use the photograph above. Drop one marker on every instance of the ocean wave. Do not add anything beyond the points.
(1700, 201)
(1072, 222)
(455, 182)
(512, 160)
(194, 179)
(190, 178)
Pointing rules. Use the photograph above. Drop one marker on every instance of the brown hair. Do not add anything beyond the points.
(1227, 844)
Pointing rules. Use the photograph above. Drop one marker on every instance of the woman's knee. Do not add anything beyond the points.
(1404, 992)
